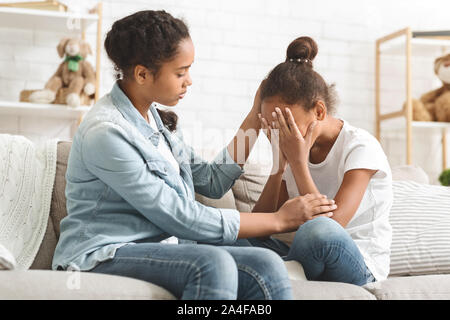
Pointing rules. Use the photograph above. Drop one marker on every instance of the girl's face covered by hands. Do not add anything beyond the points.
(302, 117)
(296, 128)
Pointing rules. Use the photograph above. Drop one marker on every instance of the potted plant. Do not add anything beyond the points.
(444, 178)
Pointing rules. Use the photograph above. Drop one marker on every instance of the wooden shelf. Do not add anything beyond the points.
(45, 19)
(420, 46)
(42, 110)
(409, 41)
(431, 124)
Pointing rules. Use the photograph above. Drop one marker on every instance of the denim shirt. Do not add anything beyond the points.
(121, 190)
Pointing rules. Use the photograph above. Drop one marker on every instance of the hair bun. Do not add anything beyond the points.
(302, 50)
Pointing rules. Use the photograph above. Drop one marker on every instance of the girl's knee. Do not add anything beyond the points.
(319, 232)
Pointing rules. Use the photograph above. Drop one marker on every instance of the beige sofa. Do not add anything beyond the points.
(40, 282)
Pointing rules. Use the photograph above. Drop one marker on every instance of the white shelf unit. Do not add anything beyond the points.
(59, 21)
(60, 111)
(45, 19)
(55, 115)
(431, 125)
(69, 22)
(419, 46)
(405, 42)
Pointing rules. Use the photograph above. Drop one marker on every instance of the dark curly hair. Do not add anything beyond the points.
(147, 38)
(295, 81)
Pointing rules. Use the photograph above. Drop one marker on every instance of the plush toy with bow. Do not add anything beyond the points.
(74, 78)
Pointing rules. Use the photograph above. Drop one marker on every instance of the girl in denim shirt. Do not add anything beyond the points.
(131, 183)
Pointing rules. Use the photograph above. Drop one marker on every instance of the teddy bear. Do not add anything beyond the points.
(435, 105)
(73, 81)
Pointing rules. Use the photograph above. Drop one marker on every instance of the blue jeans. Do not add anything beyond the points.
(325, 250)
(200, 271)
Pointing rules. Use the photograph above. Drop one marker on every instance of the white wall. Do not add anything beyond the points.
(238, 42)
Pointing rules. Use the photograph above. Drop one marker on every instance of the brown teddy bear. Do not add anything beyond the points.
(74, 79)
(435, 105)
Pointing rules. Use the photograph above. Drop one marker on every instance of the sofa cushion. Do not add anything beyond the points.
(63, 285)
(248, 188)
(58, 210)
(43, 259)
(420, 219)
(429, 287)
(320, 290)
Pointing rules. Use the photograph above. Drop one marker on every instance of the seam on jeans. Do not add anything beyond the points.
(334, 246)
(367, 277)
(171, 261)
(258, 278)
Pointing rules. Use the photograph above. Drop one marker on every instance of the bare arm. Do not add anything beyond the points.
(351, 192)
(244, 140)
(289, 217)
(241, 145)
(303, 179)
(268, 201)
(273, 196)
(258, 224)
(349, 195)
(283, 196)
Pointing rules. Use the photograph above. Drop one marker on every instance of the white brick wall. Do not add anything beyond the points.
(238, 42)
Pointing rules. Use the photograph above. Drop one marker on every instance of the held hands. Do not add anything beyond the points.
(301, 209)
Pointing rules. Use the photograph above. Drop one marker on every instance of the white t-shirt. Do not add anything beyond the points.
(165, 151)
(355, 148)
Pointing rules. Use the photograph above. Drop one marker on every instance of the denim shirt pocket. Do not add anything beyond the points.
(166, 172)
(160, 168)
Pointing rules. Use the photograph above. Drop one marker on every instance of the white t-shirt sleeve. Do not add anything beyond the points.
(367, 153)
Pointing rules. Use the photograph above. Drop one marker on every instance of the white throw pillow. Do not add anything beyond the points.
(410, 172)
(7, 261)
(420, 219)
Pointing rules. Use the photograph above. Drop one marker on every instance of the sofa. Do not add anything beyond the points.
(40, 282)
